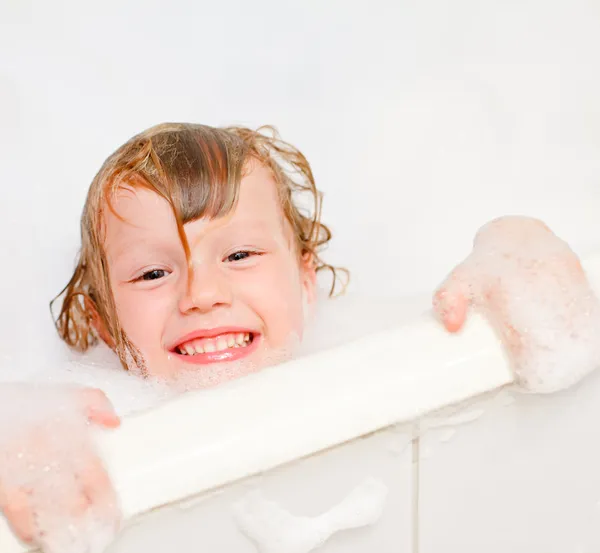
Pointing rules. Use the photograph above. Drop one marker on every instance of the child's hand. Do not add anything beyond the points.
(531, 287)
(54, 490)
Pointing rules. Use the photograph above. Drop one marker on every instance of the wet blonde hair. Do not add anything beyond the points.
(197, 169)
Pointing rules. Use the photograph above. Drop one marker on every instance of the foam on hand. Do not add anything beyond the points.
(50, 478)
(275, 530)
(532, 288)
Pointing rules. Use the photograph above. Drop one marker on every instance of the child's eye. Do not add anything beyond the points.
(238, 256)
(154, 274)
(241, 255)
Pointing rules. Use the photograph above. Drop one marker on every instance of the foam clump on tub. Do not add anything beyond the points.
(532, 288)
(42, 472)
(275, 530)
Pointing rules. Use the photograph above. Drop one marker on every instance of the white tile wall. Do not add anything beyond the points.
(522, 478)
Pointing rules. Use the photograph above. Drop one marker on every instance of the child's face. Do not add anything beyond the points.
(244, 305)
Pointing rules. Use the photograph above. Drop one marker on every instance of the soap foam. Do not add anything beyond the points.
(209, 376)
(47, 463)
(36, 395)
(99, 367)
(531, 287)
(47, 452)
(333, 322)
(275, 530)
(339, 320)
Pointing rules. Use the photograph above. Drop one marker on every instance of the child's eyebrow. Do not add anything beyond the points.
(129, 248)
(251, 225)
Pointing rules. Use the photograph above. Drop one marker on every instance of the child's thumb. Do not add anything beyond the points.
(451, 300)
(98, 408)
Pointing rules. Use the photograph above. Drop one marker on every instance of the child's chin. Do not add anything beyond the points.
(184, 376)
(201, 377)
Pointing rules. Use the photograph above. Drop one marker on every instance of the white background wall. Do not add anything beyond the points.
(423, 119)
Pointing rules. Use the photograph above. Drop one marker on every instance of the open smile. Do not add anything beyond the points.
(216, 346)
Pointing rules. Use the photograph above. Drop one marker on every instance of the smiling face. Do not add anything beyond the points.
(196, 259)
(238, 305)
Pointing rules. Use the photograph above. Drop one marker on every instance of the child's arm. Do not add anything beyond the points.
(54, 490)
(532, 289)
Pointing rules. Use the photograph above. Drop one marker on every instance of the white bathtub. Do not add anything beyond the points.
(468, 465)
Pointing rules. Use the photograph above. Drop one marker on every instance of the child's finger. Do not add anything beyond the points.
(97, 488)
(98, 408)
(451, 300)
(17, 509)
(574, 268)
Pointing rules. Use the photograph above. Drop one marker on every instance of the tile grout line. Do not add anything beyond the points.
(415, 488)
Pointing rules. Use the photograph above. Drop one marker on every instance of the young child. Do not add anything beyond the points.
(198, 266)
(196, 263)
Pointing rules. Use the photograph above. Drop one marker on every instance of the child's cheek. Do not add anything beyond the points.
(274, 293)
(142, 315)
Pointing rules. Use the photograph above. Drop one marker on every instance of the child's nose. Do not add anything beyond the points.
(206, 290)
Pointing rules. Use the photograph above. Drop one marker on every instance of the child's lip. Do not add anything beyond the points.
(230, 354)
(210, 333)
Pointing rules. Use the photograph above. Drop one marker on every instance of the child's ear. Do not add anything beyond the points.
(98, 324)
(309, 277)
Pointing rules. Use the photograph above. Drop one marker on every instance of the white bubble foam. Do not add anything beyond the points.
(275, 530)
(334, 322)
(342, 319)
(48, 467)
(90, 535)
(44, 410)
(210, 376)
(542, 305)
(97, 368)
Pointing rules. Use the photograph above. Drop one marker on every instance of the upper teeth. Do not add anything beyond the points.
(218, 343)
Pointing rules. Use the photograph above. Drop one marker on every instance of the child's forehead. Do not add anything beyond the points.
(258, 193)
(139, 210)
(133, 203)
